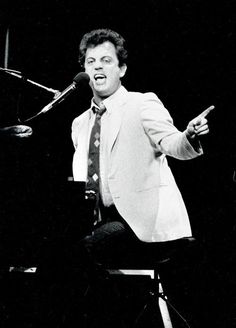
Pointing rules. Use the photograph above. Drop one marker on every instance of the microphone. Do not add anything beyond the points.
(80, 77)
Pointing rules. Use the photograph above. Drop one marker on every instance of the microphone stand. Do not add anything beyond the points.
(19, 75)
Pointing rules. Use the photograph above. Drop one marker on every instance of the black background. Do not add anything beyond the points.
(184, 51)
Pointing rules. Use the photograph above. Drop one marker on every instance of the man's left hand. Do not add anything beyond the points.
(199, 125)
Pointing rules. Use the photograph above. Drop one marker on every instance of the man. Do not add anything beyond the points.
(138, 198)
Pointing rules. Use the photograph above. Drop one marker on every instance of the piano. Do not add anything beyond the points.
(40, 221)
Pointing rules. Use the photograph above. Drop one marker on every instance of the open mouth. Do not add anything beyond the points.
(99, 77)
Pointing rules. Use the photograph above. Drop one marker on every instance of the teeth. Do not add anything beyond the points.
(99, 76)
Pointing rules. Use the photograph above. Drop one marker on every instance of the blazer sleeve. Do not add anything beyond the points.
(166, 138)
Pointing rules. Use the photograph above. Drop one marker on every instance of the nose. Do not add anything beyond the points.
(98, 65)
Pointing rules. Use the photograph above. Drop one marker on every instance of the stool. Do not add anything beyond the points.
(156, 291)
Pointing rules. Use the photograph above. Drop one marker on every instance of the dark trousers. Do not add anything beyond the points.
(114, 244)
(110, 239)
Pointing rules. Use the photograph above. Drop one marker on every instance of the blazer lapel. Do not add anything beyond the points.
(114, 125)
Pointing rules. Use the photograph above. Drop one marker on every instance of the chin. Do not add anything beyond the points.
(103, 94)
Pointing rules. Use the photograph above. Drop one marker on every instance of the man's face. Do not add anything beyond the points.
(102, 66)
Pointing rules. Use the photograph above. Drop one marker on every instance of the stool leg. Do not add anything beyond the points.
(163, 305)
(159, 298)
(163, 308)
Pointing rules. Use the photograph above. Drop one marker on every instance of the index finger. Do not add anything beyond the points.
(206, 112)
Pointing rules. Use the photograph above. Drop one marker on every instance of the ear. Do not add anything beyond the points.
(123, 69)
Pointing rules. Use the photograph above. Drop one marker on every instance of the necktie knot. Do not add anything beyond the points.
(99, 111)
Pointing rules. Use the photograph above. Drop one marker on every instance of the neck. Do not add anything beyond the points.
(98, 99)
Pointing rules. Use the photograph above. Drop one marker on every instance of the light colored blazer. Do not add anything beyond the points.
(140, 135)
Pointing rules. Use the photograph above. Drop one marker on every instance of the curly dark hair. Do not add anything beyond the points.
(96, 37)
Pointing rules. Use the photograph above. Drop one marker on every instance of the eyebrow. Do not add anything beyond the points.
(90, 57)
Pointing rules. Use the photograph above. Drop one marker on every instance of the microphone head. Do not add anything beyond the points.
(81, 77)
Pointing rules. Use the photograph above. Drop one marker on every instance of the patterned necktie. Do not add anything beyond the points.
(92, 184)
